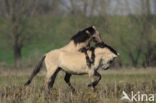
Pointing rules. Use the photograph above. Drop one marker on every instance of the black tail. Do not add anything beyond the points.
(35, 71)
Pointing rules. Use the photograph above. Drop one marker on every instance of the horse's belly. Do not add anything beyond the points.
(74, 69)
(75, 72)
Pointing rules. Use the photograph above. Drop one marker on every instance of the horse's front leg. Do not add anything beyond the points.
(91, 77)
(94, 83)
(99, 78)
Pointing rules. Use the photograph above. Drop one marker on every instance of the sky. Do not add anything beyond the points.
(120, 6)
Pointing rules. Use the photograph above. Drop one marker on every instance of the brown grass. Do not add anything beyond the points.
(109, 90)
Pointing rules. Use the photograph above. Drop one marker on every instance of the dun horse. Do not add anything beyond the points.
(80, 43)
(73, 63)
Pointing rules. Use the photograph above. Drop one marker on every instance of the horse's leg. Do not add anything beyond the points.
(91, 77)
(67, 80)
(53, 78)
(94, 83)
(99, 78)
(50, 77)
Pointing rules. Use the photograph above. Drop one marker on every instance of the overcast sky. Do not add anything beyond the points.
(123, 7)
(134, 7)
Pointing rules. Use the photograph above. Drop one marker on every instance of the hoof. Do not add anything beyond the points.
(90, 85)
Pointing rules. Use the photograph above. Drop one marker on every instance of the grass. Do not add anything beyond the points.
(109, 90)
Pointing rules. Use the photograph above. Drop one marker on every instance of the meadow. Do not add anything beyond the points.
(50, 33)
(29, 31)
(109, 90)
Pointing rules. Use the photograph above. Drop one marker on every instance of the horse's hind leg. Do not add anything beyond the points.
(53, 78)
(50, 77)
(67, 80)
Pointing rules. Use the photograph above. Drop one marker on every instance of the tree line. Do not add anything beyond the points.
(15, 14)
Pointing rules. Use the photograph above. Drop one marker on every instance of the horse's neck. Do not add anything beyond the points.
(70, 46)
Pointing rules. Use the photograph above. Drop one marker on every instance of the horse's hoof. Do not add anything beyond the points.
(90, 85)
(74, 91)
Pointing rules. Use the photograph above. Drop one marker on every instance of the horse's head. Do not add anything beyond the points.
(89, 33)
(107, 53)
(96, 36)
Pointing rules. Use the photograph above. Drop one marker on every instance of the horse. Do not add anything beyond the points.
(74, 64)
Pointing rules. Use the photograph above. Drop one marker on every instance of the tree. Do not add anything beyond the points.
(145, 46)
(148, 23)
(16, 14)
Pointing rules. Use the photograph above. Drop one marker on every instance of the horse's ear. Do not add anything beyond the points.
(94, 27)
(87, 32)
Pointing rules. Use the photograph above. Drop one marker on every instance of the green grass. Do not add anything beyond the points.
(109, 90)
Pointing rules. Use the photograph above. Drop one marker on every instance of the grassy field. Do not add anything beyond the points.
(109, 90)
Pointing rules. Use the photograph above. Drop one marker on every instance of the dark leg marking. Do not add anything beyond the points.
(67, 80)
(96, 81)
(91, 60)
(93, 55)
(53, 77)
(88, 60)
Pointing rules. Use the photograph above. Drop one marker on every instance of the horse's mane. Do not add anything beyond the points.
(103, 45)
(82, 36)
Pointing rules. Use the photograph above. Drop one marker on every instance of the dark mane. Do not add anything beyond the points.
(82, 36)
(102, 45)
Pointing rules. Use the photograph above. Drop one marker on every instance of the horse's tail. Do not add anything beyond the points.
(35, 71)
